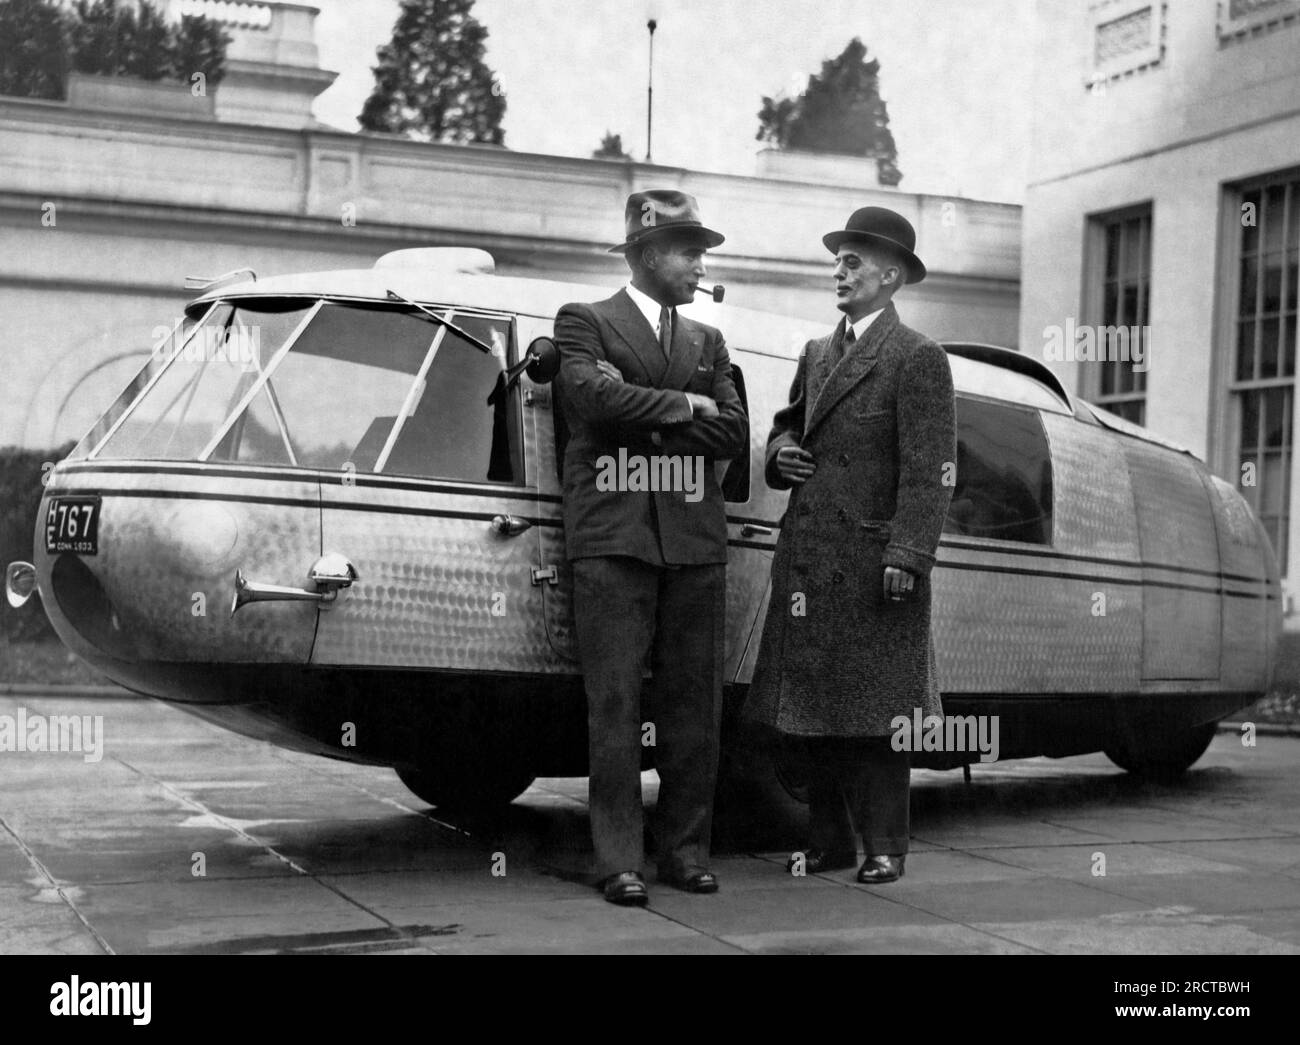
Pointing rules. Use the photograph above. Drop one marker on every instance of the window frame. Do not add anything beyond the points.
(1091, 379)
(203, 310)
(1227, 391)
(1037, 415)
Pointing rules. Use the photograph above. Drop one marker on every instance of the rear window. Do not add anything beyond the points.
(1004, 474)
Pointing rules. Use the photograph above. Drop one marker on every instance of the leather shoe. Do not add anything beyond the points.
(815, 860)
(691, 880)
(627, 888)
(876, 870)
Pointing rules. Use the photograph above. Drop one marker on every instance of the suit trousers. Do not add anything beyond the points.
(860, 785)
(623, 609)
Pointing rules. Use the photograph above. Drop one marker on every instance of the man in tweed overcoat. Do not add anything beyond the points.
(846, 646)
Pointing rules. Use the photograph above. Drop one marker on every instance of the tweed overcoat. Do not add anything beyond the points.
(837, 658)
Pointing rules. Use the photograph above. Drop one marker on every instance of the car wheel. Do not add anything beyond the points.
(457, 789)
(1163, 757)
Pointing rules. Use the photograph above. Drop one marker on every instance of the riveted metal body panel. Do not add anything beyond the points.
(1011, 621)
(1251, 602)
(170, 541)
(437, 586)
(1093, 513)
(1180, 619)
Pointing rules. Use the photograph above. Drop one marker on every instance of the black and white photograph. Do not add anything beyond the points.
(650, 477)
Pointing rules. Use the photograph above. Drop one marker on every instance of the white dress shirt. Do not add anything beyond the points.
(860, 327)
(651, 309)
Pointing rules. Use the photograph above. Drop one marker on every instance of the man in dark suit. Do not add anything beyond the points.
(650, 405)
(846, 647)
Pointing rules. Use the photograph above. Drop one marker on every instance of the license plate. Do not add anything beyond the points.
(72, 525)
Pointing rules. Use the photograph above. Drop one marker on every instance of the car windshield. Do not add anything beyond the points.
(330, 385)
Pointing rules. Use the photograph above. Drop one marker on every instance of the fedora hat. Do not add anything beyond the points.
(655, 211)
(883, 227)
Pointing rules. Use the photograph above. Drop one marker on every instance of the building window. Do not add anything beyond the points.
(1122, 36)
(1242, 19)
(1264, 350)
(1127, 36)
(1121, 244)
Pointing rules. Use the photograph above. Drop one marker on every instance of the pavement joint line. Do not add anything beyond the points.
(650, 909)
(196, 804)
(1150, 841)
(1216, 818)
(44, 872)
(898, 901)
(911, 906)
(1099, 883)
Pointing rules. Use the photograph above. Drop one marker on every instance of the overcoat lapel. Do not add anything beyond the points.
(632, 327)
(856, 365)
(688, 346)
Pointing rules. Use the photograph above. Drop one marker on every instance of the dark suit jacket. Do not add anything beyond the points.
(605, 415)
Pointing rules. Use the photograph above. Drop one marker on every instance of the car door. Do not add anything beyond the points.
(429, 498)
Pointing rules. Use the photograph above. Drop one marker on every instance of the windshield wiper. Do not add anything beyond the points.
(433, 316)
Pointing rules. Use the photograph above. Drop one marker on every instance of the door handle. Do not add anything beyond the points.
(330, 574)
(754, 530)
(509, 525)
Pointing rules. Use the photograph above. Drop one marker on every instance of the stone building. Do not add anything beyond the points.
(1162, 226)
(108, 200)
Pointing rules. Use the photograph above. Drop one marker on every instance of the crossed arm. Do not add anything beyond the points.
(714, 426)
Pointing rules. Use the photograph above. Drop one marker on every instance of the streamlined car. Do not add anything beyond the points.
(326, 513)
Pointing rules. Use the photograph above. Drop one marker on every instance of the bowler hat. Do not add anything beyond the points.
(655, 211)
(879, 225)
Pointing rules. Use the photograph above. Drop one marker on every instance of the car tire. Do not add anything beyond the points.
(1162, 757)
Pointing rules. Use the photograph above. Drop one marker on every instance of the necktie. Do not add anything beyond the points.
(846, 342)
(666, 331)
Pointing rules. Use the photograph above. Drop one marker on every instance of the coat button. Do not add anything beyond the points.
(844, 460)
(843, 514)
(837, 577)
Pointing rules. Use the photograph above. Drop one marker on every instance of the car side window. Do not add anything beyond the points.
(383, 389)
(1004, 474)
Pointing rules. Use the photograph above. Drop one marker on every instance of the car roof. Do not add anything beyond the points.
(464, 279)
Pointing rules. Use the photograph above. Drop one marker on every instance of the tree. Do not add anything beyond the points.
(33, 48)
(199, 46)
(611, 148)
(108, 40)
(840, 111)
(40, 42)
(431, 82)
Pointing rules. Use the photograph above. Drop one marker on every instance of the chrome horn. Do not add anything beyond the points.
(330, 574)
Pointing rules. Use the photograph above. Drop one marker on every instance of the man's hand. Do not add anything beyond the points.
(899, 584)
(702, 407)
(609, 370)
(795, 464)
